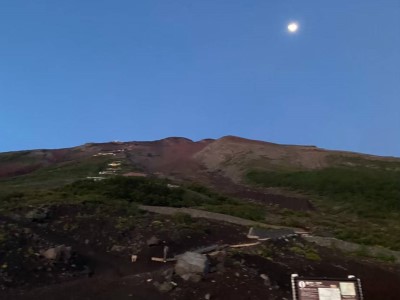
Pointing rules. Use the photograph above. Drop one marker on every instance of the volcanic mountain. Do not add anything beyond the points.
(224, 164)
(94, 220)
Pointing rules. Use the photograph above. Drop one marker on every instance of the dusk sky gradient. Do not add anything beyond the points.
(74, 71)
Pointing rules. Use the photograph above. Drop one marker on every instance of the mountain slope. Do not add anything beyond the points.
(183, 158)
(234, 156)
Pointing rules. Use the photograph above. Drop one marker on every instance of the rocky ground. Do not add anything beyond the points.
(85, 252)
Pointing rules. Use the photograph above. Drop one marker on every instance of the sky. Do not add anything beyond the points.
(75, 71)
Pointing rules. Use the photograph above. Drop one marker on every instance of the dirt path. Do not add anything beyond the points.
(322, 241)
(197, 213)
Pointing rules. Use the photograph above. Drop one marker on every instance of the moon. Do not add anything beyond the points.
(293, 27)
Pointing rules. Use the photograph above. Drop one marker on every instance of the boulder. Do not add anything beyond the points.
(191, 263)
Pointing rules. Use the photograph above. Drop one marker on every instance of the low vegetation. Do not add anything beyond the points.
(370, 192)
(124, 193)
(359, 204)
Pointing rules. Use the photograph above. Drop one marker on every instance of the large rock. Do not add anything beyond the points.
(57, 253)
(191, 263)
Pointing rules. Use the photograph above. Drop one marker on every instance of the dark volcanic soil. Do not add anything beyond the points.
(98, 269)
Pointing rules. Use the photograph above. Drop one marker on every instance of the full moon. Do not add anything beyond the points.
(293, 27)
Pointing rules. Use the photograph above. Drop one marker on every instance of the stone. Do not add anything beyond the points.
(50, 254)
(192, 262)
(207, 297)
(153, 241)
(267, 281)
(38, 214)
(164, 287)
(265, 277)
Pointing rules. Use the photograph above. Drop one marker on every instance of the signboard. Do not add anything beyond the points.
(304, 288)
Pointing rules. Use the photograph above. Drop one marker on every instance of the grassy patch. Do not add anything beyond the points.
(305, 251)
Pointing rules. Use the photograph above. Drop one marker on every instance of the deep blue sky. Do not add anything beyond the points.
(88, 71)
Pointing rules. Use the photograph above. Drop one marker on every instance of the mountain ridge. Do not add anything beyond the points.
(205, 140)
(178, 155)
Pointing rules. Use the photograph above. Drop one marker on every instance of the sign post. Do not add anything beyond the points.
(313, 288)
